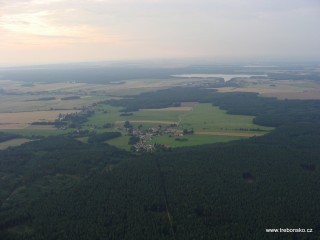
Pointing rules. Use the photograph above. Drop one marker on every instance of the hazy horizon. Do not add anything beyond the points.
(63, 31)
(164, 63)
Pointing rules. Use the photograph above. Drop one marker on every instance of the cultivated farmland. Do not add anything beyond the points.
(22, 120)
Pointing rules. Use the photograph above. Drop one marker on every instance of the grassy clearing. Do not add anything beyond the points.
(105, 114)
(206, 117)
(109, 114)
(13, 143)
(203, 117)
(120, 142)
(170, 116)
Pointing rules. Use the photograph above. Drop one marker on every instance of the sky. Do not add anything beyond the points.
(60, 31)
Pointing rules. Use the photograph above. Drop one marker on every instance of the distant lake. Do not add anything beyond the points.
(226, 77)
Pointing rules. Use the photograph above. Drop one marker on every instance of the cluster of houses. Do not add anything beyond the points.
(142, 146)
(143, 137)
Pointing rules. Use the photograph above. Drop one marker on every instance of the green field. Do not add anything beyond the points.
(120, 142)
(202, 118)
(104, 114)
(208, 118)
(170, 116)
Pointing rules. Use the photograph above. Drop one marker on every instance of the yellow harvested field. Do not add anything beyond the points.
(22, 120)
(13, 143)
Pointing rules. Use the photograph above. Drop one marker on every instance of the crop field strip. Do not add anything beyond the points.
(22, 120)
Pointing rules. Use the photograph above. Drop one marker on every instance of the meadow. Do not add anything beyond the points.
(202, 118)
(210, 124)
(207, 118)
(104, 114)
(120, 142)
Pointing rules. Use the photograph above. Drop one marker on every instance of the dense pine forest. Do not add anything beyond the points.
(61, 188)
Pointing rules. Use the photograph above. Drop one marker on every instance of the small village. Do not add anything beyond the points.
(140, 139)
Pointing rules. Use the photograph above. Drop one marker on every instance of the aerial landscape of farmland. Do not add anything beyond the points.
(159, 120)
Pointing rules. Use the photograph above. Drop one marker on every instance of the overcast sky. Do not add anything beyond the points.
(53, 31)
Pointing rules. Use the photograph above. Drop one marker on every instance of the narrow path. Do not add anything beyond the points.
(165, 197)
(183, 116)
